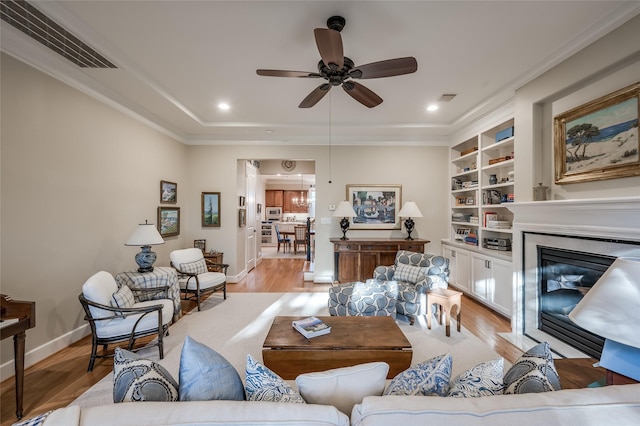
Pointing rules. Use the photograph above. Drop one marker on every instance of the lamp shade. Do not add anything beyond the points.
(410, 209)
(611, 308)
(145, 234)
(344, 209)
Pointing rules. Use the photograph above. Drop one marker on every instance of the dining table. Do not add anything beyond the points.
(310, 234)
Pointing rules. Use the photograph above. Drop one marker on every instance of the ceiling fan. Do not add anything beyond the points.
(338, 69)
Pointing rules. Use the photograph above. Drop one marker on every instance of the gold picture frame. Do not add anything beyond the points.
(599, 140)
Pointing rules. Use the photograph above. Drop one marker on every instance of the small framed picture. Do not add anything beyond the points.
(169, 221)
(168, 192)
(242, 218)
(210, 209)
(201, 244)
(241, 202)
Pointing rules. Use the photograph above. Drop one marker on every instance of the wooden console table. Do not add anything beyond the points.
(356, 258)
(25, 313)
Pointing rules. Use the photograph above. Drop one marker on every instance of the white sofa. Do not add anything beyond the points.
(619, 405)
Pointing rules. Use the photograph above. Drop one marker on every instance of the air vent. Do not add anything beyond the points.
(446, 97)
(43, 29)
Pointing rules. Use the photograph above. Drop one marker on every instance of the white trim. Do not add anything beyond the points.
(35, 355)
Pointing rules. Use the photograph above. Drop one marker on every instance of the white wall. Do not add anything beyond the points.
(77, 177)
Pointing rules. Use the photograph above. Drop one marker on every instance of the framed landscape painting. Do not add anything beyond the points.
(210, 207)
(168, 192)
(598, 140)
(169, 221)
(376, 206)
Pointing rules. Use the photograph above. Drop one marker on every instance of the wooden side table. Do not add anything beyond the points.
(447, 299)
(160, 276)
(213, 260)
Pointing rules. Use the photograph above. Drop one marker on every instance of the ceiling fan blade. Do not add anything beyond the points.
(329, 44)
(315, 96)
(387, 68)
(361, 94)
(283, 73)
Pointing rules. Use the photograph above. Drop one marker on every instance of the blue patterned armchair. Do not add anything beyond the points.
(415, 273)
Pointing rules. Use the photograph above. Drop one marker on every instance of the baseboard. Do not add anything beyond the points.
(44, 351)
(328, 279)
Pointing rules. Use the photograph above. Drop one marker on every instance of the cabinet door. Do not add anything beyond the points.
(480, 276)
(348, 267)
(459, 267)
(368, 262)
(502, 291)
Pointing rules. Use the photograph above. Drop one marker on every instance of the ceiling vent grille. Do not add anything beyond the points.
(447, 97)
(43, 29)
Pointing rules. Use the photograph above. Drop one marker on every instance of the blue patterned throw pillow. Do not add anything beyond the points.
(139, 379)
(263, 384)
(482, 380)
(427, 378)
(533, 372)
(34, 421)
(206, 375)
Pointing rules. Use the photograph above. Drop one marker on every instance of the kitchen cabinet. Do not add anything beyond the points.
(355, 259)
(289, 204)
(274, 198)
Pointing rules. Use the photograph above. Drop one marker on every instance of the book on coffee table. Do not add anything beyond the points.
(311, 327)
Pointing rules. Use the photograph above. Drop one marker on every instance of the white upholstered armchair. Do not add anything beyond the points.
(193, 275)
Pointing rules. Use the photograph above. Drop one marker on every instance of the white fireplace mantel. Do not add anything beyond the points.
(600, 224)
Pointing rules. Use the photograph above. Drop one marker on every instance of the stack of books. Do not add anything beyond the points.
(311, 327)
(471, 239)
(498, 224)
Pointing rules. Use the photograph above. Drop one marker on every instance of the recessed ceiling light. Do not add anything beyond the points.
(223, 106)
(432, 107)
(269, 131)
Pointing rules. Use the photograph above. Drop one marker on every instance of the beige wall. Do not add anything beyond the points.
(607, 65)
(77, 176)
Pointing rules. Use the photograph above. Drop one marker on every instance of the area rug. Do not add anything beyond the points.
(238, 326)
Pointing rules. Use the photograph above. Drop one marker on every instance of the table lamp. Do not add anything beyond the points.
(409, 210)
(145, 236)
(611, 309)
(344, 210)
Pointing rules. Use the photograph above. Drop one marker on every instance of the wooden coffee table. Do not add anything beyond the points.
(353, 340)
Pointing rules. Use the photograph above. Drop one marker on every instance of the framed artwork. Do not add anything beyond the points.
(168, 192)
(242, 201)
(169, 221)
(598, 140)
(242, 218)
(210, 208)
(376, 206)
(201, 244)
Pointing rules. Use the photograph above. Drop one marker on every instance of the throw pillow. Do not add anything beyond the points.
(430, 377)
(206, 375)
(533, 372)
(263, 384)
(139, 379)
(408, 273)
(482, 380)
(198, 267)
(343, 387)
(34, 421)
(123, 298)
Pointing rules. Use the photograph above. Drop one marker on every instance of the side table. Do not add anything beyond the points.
(160, 276)
(212, 260)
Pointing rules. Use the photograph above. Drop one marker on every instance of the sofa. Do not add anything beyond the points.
(619, 405)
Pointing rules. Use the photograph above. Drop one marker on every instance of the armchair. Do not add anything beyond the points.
(193, 275)
(114, 316)
(415, 273)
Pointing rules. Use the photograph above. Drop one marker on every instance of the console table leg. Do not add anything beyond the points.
(18, 352)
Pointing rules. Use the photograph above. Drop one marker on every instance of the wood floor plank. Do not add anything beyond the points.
(59, 379)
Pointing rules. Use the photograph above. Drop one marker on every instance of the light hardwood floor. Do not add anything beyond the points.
(61, 378)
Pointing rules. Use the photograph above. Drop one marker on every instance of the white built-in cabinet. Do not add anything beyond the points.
(482, 186)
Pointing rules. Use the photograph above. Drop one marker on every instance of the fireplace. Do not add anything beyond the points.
(565, 277)
(601, 229)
